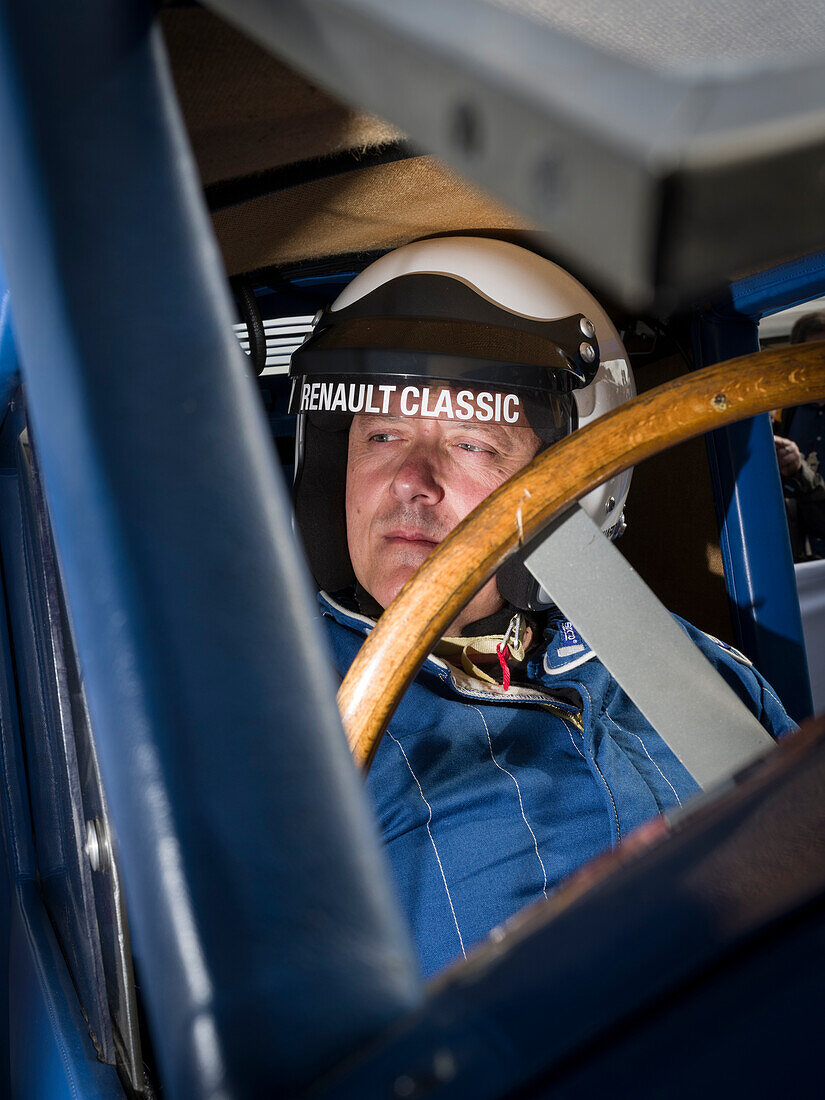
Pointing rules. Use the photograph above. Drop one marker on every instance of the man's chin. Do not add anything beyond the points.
(386, 590)
(484, 603)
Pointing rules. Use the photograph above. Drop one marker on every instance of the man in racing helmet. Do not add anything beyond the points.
(514, 757)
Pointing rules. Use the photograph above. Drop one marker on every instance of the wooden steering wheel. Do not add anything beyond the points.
(520, 508)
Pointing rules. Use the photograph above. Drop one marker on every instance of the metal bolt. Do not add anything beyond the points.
(587, 352)
(97, 844)
(588, 328)
(610, 505)
(719, 402)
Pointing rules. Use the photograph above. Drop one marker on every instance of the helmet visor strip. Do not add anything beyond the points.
(332, 402)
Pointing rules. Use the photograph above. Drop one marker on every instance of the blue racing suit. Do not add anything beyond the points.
(487, 799)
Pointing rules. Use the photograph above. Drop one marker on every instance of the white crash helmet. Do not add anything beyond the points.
(464, 310)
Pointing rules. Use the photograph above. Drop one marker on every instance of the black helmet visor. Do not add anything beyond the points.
(429, 327)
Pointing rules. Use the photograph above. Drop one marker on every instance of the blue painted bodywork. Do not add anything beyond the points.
(779, 287)
(49, 1051)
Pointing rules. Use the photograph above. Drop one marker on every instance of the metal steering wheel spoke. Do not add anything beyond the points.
(698, 716)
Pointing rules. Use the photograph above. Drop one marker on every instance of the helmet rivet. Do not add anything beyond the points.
(587, 352)
(610, 504)
(97, 846)
(588, 328)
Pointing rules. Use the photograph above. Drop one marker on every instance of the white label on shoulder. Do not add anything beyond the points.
(734, 652)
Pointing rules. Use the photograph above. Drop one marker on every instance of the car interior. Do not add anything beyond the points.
(302, 192)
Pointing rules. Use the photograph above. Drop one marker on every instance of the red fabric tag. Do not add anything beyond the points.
(503, 653)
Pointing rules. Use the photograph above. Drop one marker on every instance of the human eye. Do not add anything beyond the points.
(475, 446)
(383, 437)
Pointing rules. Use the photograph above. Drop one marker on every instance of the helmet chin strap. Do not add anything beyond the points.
(507, 646)
(504, 635)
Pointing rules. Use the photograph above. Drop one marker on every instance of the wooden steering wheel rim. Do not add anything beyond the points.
(518, 510)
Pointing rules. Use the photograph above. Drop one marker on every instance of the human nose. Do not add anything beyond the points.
(416, 479)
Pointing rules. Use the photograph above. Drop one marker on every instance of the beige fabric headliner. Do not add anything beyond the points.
(374, 208)
(247, 113)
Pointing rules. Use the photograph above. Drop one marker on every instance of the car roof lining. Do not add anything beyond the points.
(290, 173)
(245, 111)
(374, 208)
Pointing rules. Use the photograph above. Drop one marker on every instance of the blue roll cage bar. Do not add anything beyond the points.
(747, 489)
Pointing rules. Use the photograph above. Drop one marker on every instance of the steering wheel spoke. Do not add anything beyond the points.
(645, 650)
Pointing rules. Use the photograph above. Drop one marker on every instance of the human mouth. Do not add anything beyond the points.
(414, 538)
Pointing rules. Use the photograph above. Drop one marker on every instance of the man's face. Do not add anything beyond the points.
(410, 481)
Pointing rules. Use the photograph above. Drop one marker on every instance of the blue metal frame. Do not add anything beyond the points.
(257, 887)
(753, 529)
(45, 1049)
(782, 286)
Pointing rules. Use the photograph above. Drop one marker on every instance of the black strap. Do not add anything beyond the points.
(251, 315)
